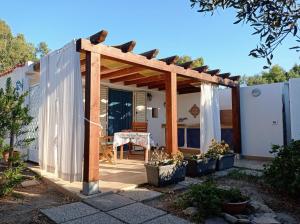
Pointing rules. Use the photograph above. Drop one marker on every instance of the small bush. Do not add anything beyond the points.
(283, 174)
(217, 148)
(209, 199)
(9, 179)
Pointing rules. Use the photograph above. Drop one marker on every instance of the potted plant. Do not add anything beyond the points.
(164, 169)
(221, 150)
(234, 202)
(200, 164)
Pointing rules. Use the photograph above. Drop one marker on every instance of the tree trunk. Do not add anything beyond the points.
(11, 149)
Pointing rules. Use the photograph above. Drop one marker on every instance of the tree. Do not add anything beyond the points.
(14, 117)
(16, 50)
(196, 63)
(272, 21)
(274, 75)
(42, 49)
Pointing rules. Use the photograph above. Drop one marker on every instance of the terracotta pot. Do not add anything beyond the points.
(5, 156)
(235, 208)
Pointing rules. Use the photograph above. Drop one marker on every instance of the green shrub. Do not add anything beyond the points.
(283, 173)
(209, 199)
(9, 179)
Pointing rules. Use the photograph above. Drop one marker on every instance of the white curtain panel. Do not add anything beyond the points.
(210, 125)
(61, 123)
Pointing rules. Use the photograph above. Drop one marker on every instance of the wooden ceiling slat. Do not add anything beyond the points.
(144, 80)
(203, 68)
(126, 78)
(179, 83)
(98, 37)
(186, 65)
(189, 90)
(150, 54)
(127, 47)
(170, 60)
(213, 72)
(122, 72)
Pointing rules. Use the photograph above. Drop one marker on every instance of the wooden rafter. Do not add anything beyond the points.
(186, 65)
(201, 68)
(170, 60)
(213, 72)
(122, 72)
(235, 78)
(99, 37)
(150, 54)
(127, 47)
(179, 83)
(225, 75)
(145, 80)
(126, 78)
(112, 53)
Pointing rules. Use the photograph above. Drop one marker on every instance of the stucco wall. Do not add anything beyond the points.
(295, 108)
(261, 119)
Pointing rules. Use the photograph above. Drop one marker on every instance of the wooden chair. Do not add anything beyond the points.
(140, 126)
(106, 149)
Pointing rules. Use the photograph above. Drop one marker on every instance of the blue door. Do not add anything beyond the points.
(119, 110)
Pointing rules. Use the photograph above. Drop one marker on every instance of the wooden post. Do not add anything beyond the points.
(236, 119)
(171, 113)
(92, 114)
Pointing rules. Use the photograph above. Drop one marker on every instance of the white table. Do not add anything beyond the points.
(142, 139)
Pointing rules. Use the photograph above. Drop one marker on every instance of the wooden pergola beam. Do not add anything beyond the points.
(186, 65)
(189, 90)
(170, 60)
(99, 37)
(127, 47)
(150, 54)
(126, 78)
(179, 83)
(236, 120)
(122, 72)
(144, 81)
(156, 65)
(200, 69)
(213, 72)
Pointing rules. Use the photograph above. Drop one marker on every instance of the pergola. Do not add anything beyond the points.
(119, 64)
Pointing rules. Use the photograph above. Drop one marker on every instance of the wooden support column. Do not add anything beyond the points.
(171, 113)
(92, 114)
(236, 119)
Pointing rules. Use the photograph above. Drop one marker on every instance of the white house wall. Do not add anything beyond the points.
(294, 87)
(261, 119)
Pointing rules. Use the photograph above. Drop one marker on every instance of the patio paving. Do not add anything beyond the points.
(141, 194)
(136, 213)
(98, 218)
(69, 212)
(108, 202)
(170, 219)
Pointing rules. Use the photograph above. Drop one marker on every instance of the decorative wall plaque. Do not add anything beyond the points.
(195, 110)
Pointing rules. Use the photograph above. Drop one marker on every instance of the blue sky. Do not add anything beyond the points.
(171, 26)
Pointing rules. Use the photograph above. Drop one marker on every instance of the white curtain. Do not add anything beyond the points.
(210, 125)
(60, 122)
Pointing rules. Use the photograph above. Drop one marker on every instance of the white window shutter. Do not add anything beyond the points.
(140, 106)
(103, 108)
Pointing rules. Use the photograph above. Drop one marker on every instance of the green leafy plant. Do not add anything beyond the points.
(14, 117)
(9, 179)
(283, 173)
(217, 148)
(208, 199)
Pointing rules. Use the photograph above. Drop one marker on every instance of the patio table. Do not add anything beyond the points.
(142, 139)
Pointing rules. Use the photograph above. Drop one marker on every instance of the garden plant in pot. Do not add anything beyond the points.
(221, 150)
(200, 164)
(164, 169)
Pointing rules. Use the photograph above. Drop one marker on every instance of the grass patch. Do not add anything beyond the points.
(242, 174)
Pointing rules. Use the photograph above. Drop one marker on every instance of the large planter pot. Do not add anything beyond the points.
(165, 175)
(199, 167)
(225, 161)
(5, 156)
(235, 208)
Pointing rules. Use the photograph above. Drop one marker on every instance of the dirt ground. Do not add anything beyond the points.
(23, 205)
